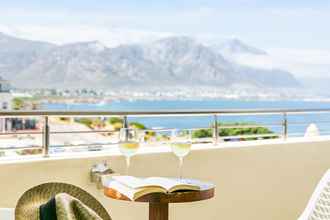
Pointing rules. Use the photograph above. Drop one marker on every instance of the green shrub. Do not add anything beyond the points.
(18, 103)
(149, 135)
(115, 120)
(85, 121)
(64, 119)
(117, 123)
(137, 125)
(204, 133)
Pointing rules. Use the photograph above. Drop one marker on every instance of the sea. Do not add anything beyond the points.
(297, 123)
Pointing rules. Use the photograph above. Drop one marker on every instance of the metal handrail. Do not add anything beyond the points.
(159, 113)
(215, 113)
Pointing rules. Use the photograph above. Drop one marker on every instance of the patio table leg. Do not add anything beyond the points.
(158, 211)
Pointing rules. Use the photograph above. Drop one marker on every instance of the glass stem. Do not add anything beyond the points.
(128, 163)
(180, 167)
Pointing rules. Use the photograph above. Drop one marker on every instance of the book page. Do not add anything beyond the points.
(130, 181)
(123, 189)
(133, 193)
(165, 183)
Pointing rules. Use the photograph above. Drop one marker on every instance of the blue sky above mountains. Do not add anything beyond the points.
(274, 23)
(102, 4)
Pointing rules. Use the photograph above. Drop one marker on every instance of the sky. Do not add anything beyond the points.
(295, 33)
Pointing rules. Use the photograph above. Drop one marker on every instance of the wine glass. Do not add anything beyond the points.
(128, 144)
(181, 144)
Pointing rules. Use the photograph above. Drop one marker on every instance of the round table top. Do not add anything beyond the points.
(207, 192)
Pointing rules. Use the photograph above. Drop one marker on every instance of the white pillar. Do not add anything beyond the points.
(8, 124)
(2, 125)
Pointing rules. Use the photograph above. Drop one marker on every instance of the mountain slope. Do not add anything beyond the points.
(169, 62)
(16, 54)
(235, 46)
(190, 63)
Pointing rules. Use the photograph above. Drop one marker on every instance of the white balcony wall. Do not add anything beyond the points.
(271, 181)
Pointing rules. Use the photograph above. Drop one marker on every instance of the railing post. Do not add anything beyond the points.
(285, 126)
(125, 123)
(125, 126)
(215, 131)
(45, 138)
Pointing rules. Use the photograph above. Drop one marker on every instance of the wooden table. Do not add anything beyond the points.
(159, 202)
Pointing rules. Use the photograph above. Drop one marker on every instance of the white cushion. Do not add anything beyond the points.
(7, 214)
(312, 131)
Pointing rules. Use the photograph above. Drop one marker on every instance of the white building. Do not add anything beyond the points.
(5, 101)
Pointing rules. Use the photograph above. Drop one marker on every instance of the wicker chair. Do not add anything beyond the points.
(318, 207)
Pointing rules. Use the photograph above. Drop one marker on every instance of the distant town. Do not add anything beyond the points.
(31, 99)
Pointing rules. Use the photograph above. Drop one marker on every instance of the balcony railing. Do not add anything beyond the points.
(278, 120)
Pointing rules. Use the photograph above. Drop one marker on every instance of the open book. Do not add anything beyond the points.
(134, 188)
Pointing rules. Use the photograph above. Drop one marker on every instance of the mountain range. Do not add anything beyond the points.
(168, 62)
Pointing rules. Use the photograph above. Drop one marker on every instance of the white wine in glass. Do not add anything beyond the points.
(181, 146)
(129, 144)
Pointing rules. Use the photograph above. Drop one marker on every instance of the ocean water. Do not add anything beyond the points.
(297, 122)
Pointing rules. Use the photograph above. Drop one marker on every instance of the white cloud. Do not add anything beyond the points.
(7, 30)
(303, 63)
(68, 34)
